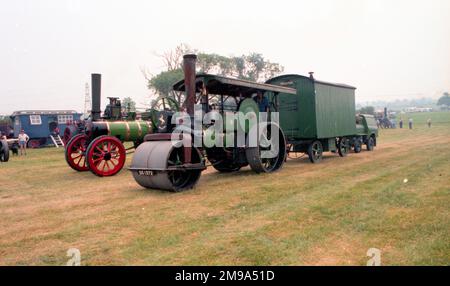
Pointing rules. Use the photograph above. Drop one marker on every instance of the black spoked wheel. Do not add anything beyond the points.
(370, 144)
(315, 152)
(267, 159)
(220, 161)
(357, 148)
(343, 146)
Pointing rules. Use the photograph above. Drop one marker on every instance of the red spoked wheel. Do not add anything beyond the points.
(76, 152)
(106, 156)
(69, 132)
(34, 143)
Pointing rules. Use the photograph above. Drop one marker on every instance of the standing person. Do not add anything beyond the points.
(410, 123)
(262, 102)
(23, 139)
(429, 122)
(400, 123)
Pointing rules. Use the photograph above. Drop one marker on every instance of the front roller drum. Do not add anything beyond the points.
(105, 156)
(159, 165)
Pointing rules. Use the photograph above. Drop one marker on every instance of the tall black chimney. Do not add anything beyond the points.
(189, 82)
(96, 85)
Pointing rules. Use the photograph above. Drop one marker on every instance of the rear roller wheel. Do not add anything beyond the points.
(315, 152)
(76, 153)
(156, 165)
(105, 156)
(343, 146)
(268, 159)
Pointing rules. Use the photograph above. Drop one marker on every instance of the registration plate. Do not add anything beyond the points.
(145, 173)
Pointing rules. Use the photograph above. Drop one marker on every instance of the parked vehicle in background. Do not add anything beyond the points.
(40, 125)
(366, 133)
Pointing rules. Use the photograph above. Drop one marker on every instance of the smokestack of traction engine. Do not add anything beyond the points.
(96, 85)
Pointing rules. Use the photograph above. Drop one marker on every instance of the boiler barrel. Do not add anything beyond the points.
(124, 130)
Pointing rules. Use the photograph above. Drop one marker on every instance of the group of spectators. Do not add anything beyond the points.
(22, 140)
(410, 123)
(386, 123)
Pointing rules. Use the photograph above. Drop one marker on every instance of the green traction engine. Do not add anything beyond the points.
(99, 147)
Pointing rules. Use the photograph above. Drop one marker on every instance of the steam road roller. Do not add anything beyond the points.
(174, 161)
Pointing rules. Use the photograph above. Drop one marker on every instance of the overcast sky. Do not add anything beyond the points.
(387, 48)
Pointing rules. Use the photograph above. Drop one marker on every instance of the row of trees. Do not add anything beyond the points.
(367, 110)
(444, 101)
(252, 67)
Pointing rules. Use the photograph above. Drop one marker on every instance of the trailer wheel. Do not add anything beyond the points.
(315, 152)
(357, 148)
(343, 146)
(370, 144)
(34, 143)
(4, 151)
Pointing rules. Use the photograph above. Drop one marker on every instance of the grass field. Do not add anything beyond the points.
(325, 214)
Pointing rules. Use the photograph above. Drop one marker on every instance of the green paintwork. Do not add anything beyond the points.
(249, 114)
(319, 110)
(129, 130)
(367, 125)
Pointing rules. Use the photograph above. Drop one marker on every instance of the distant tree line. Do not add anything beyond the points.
(4, 119)
(252, 67)
(444, 101)
(128, 104)
(366, 110)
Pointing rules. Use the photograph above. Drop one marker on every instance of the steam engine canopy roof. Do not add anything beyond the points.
(231, 86)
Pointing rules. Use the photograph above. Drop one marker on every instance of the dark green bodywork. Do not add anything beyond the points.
(366, 125)
(125, 131)
(319, 110)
